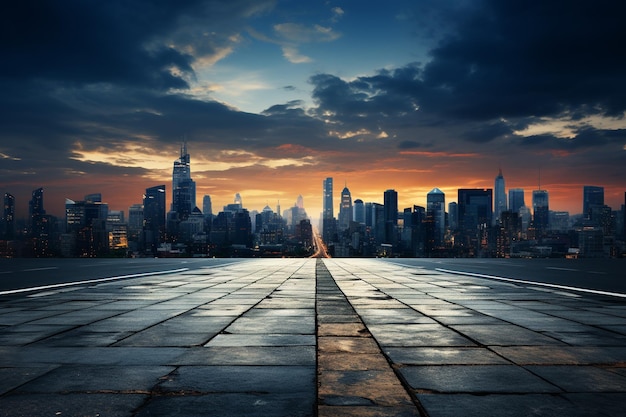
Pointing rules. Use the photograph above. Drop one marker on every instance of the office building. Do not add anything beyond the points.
(593, 197)
(436, 210)
(475, 214)
(541, 213)
(183, 187)
(390, 216)
(8, 217)
(345, 209)
(358, 211)
(499, 202)
(85, 226)
(453, 215)
(516, 199)
(207, 206)
(154, 217)
(328, 220)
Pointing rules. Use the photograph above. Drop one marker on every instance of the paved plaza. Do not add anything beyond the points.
(311, 337)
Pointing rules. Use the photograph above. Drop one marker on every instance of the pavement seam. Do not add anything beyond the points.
(339, 399)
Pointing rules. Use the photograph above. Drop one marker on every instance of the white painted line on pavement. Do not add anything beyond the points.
(561, 269)
(90, 281)
(40, 269)
(542, 284)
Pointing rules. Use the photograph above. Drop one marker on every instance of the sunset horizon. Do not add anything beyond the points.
(274, 96)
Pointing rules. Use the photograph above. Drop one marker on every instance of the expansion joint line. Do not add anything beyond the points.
(352, 371)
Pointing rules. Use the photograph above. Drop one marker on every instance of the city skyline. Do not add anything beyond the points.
(21, 210)
(274, 96)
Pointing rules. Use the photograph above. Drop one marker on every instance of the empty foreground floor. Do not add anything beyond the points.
(306, 337)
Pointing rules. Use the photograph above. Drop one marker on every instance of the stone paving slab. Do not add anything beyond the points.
(306, 337)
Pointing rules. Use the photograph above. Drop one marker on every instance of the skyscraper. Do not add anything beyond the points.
(8, 217)
(154, 217)
(541, 212)
(328, 199)
(35, 207)
(328, 220)
(592, 197)
(499, 202)
(183, 187)
(390, 215)
(436, 210)
(358, 211)
(453, 215)
(475, 214)
(207, 206)
(345, 209)
(516, 199)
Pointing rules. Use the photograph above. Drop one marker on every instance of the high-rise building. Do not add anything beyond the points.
(541, 212)
(453, 215)
(358, 211)
(499, 203)
(135, 221)
(8, 217)
(345, 209)
(328, 199)
(592, 197)
(390, 215)
(154, 217)
(35, 207)
(300, 202)
(436, 210)
(207, 206)
(85, 223)
(183, 187)
(475, 214)
(328, 220)
(516, 199)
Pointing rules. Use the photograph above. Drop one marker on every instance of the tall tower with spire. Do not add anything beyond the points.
(183, 187)
(345, 209)
(499, 201)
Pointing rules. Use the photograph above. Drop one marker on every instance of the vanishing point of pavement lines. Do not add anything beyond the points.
(306, 337)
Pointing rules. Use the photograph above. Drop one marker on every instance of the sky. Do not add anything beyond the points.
(274, 96)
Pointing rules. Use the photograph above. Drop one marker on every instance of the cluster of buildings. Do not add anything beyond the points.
(90, 229)
(480, 223)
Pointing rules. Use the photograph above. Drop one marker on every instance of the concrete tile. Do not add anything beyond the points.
(475, 379)
(581, 378)
(443, 356)
(236, 340)
(273, 325)
(496, 405)
(71, 405)
(249, 355)
(598, 404)
(504, 335)
(242, 379)
(343, 361)
(561, 355)
(347, 344)
(342, 329)
(12, 378)
(73, 378)
(379, 387)
(417, 335)
(251, 404)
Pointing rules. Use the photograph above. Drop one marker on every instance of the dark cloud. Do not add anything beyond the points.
(521, 58)
(134, 43)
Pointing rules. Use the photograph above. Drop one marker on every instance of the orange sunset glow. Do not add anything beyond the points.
(272, 97)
